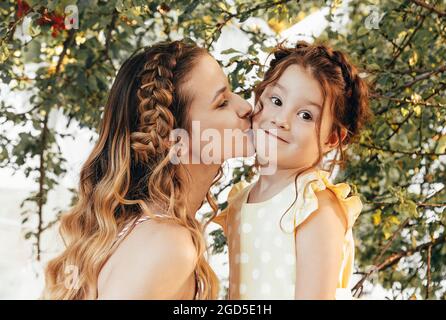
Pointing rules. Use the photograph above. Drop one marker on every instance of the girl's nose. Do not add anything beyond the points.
(281, 122)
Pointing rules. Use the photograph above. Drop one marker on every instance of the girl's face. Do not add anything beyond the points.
(219, 118)
(291, 108)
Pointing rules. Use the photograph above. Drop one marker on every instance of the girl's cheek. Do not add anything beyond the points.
(255, 123)
(257, 120)
(303, 135)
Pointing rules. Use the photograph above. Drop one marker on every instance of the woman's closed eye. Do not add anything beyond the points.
(223, 104)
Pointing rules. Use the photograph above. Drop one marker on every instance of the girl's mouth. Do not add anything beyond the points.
(277, 137)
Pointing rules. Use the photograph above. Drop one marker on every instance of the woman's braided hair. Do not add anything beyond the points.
(156, 94)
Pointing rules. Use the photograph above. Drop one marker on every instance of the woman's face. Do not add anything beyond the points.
(219, 122)
(291, 108)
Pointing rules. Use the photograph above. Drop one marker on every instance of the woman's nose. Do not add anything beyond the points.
(243, 108)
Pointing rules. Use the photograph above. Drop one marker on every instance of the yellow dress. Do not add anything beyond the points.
(262, 258)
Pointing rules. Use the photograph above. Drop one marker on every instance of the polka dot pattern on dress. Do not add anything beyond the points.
(244, 258)
(266, 256)
(279, 272)
(267, 227)
(266, 288)
(257, 242)
(242, 288)
(247, 228)
(262, 239)
(289, 259)
(278, 241)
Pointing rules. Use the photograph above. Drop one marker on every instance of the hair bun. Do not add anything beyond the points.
(301, 45)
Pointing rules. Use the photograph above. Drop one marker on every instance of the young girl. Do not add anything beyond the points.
(290, 234)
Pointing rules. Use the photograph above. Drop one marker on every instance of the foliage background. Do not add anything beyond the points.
(398, 166)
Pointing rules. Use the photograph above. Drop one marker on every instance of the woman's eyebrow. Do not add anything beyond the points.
(219, 91)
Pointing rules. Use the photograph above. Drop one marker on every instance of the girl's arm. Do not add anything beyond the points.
(319, 246)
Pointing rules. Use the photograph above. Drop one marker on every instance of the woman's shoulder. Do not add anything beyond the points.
(167, 237)
(153, 251)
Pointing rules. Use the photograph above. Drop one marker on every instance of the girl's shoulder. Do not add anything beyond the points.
(311, 195)
(312, 182)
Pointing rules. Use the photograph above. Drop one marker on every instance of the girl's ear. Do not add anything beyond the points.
(334, 140)
(343, 134)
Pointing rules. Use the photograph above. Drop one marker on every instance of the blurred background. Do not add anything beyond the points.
(59, 58)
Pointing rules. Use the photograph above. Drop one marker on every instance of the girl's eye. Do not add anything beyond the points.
(224, 104)
(276, 101)
(305, 115)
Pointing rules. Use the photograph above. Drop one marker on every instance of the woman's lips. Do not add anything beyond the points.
(277, 137)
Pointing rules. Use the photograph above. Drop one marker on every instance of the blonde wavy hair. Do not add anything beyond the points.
(129, 170)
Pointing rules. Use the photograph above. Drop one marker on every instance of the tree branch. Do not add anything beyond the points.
(41, 194)
(429, 256)
(395, 57)
(424, 76)
(108, 36)
(418, 153)
(43, 146)
(396, 257)
(262, 6)
(406, 101)
(429, 7)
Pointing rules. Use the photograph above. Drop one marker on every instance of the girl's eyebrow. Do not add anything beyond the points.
(306, 101)
(278, 85)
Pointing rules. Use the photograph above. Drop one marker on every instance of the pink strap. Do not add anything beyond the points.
(131, 224)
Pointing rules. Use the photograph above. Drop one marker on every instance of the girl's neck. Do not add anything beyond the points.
(201, 177)
(269, 185)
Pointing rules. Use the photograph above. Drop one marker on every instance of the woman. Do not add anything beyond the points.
(130, 177)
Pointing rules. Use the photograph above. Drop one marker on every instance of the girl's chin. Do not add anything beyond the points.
(248, 151)
(244, 146)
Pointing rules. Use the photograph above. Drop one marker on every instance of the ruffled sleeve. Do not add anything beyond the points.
(233, 193)
(307, 203)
